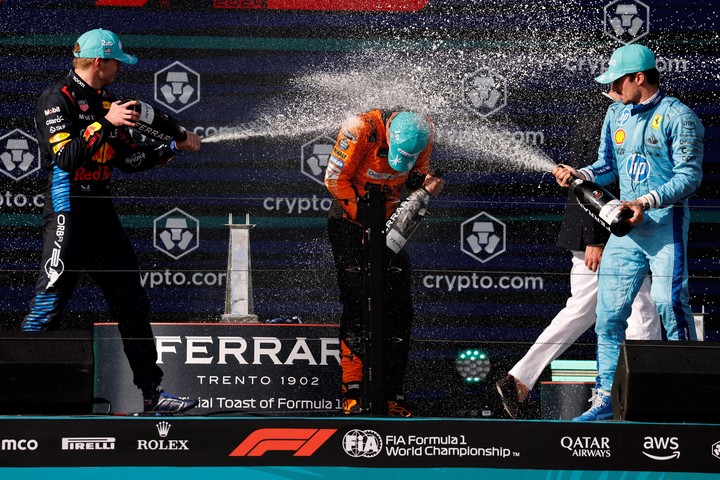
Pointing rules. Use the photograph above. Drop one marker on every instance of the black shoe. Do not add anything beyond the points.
(160, 401)
(508, 390)
(351, 401)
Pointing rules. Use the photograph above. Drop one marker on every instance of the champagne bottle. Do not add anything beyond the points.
(157, 124)
(405, 219)
(602, 205)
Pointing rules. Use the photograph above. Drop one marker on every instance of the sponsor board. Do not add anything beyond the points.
(358, 442)
(231, 368)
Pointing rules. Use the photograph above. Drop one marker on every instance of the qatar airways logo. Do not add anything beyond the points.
(598, 447)
(236, 350)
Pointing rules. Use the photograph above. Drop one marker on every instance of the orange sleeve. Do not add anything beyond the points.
(346, 156)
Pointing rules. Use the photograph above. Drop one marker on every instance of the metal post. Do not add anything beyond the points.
(238, 289)
(374, 287)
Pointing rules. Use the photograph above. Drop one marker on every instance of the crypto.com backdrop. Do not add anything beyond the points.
(504, 80)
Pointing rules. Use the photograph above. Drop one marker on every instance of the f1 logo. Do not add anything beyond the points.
(302, 441)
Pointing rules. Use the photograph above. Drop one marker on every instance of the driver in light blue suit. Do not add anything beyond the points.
(653, 145)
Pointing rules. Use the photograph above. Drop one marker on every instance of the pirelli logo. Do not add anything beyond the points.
(88, 443)
(302, 441)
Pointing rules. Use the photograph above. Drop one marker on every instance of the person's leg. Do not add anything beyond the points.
(346, 243)
(116, 273)
(572, 321)
(668, 262)
(118, 277)
(60, 265)
(644, 322)
(622, 271)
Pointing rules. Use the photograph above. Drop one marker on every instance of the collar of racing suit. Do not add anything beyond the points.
(89, 91)
(648, 105)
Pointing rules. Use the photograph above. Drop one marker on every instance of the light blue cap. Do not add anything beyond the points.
(631, 58)
(101, 43)
(409, 135)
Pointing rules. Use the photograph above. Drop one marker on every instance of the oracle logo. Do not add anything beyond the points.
(302, 441)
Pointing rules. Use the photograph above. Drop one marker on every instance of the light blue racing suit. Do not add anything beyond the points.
(655, 150)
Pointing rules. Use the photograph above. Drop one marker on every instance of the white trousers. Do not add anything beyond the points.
(579, 315)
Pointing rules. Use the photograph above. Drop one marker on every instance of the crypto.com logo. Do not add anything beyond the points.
(482, 237)
(176, 233)
(627, 20)
(715, 450)
(484, 92)
(177, 87)
(314, 156)
(19, 154)
(303, 441)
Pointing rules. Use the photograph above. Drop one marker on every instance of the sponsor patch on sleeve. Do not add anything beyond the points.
(91, 130)
(59, 146)
(339, 153)
(339, 163)
(59, 137)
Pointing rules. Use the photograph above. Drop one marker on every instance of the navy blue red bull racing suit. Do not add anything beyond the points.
(82, 230)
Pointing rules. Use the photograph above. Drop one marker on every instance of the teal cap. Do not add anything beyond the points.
(631, 58)
(101, 43)
(409, 135)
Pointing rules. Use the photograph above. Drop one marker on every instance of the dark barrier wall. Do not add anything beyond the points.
(507, 83)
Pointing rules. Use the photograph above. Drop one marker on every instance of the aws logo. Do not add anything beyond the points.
(302, 441)
(661, 448)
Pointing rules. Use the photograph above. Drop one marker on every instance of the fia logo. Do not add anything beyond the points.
(362, 443)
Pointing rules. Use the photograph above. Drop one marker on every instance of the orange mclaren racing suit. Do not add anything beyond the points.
(358, 159)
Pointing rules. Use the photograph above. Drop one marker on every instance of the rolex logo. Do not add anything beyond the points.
(163, 428)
